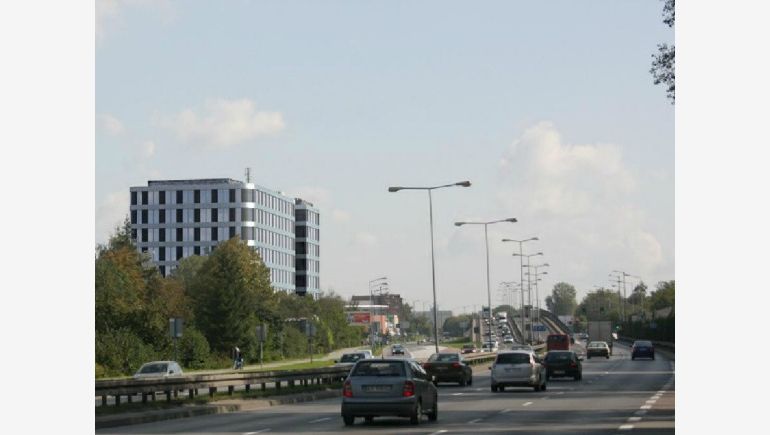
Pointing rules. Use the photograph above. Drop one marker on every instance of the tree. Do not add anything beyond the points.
(638, 295)
(663, 296)
(457, 326)
(563, 299)
(602, 304)
(231, 294)
(663, 63)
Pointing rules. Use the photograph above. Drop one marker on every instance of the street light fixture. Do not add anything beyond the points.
(537, 287)
(432, 256)
(486, 242)
(521, 274)
(529, 291)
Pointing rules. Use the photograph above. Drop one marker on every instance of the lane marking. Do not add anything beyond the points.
(645, 407)
(560, 392)
(474, 421)
(528, 403)
(457, 394)
(634, 419)
(479, 389)
(641, 412)
(259, 431)
(626, 427)
(320, 420)
(505, 411)
(438, 432)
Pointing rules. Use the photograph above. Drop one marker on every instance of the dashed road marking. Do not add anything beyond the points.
(641, 412)
(320, 420)
(560, 392)
(527, 404)
(457, 394)
(505, 411)
(650, 401)
(259, 431)
(476, 420)
(645, 407)
(634, 419)
(626, 427)
(438, 432)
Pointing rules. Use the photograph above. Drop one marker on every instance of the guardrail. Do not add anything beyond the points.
(213, 383)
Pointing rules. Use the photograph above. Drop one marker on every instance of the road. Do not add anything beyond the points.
(616, 395)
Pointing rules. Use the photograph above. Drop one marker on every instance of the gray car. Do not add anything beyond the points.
(518, 368)
(388, 387)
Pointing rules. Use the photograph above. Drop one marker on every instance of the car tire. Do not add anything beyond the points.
(435, 383)
(542, 387)
(348, 420)
(501, 388)
(576, 378)
(433, 414)
(608, 357)
(536, 388)
(633, 357)
(470, 380)
(416, 414)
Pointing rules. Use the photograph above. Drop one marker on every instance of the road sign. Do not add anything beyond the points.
(262, 332)
(175, 326)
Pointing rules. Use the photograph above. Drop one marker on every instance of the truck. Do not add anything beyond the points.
(600, 330)
(502, 316)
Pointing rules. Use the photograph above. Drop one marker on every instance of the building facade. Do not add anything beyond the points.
(307, 248)
(174, 219)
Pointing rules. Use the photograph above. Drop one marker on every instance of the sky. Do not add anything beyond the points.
(548, 108)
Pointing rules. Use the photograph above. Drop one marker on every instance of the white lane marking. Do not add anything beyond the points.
(505, 411)
(259, 431)
(320, 420)
(652, 402)
(634, 419)
(457, 394)
(626, 427)
(479, 389)
(560, 392)
(655, 397)
(438, 432)
(641, 412)
(527, 404)
(474, 421)
(645, 407)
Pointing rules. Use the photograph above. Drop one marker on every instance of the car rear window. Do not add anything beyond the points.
(513, 358)
(154, 368)
(379, 368)
(439, 357)
(557, 338)
(351, 357)
(558, 356)
(643, 343)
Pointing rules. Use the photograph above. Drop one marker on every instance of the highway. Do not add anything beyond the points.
(616, 395)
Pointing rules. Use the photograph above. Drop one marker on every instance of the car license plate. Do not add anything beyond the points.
(558, 372)
(377, 388)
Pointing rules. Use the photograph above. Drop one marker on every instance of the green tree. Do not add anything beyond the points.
(231, 294)
(458, 326)
(663, 296)
(663, 63)
(563, 299)
(602, 304)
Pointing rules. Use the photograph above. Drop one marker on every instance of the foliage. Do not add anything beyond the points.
(602, 304)
(663, 296)
(122, 352)
(563, 299)
(663, 63)
(458, 326)
(193, 349)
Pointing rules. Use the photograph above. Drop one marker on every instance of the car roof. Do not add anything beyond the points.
(160, 362)
(524, 351)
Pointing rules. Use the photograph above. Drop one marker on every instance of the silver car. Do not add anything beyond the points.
(388, 387)
(518, 368)
(158, 370)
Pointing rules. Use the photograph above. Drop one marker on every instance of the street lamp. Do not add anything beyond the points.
(529, 290)
(380, 281)
(432, 256)
(623, 275)
(486, 242)
(521, 274)
(537, 287)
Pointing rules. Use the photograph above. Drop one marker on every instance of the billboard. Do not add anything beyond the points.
(358, 318)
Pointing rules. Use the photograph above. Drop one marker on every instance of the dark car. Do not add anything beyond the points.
(642, 348)
(388, 387)
(397, 349)
(449, 367)
(469, 348)
(563, 363)
(598, 348)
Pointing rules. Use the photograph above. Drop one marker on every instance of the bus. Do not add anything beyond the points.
(557, 342)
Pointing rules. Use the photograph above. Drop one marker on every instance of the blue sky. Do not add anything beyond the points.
(548, 108)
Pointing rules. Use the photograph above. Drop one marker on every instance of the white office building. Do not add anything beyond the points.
(173, 219)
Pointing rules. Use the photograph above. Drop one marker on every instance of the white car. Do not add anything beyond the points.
(158, 370)
(518, 368)
(508, 339)
(489, 346)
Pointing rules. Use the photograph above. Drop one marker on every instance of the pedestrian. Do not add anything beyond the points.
(237, 358)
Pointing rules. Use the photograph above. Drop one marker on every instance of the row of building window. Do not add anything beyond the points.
(309, 232)
(307, 216)
(306, 265)
(183, 234)
(212, 196)
(305, 248)
(304, 281)
(282, 276)
(206, 215)
(271, 256)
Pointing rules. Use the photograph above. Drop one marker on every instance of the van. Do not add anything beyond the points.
(557, 342)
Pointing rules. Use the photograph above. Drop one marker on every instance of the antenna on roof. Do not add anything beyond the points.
(248, 175)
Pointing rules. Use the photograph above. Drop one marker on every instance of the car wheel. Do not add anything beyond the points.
(433, 415)
(348, 420)
(501, 388)
(494, 388)
(435, 383)
(416, 414)
(542, 387)
(368, 419)
(633, 357)
(608, 357)
(576, 378)
(470, 380)
(536, 388)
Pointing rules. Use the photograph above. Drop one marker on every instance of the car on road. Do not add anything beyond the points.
(489, 346)
(388, 387)
(469, 348)
(397, 349)
(516, 346)
(158, 370)
(557, 342)
(508, 339)
(518, 368)
(563, 363)
(449, 367)
(598, 348)
(351, 358)
(642, 348)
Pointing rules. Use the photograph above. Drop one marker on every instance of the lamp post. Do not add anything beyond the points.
(537, 287)
(380, 281)
(529, 291)
(622, 276)
(486, 242)
(521, 274)
(432, 256)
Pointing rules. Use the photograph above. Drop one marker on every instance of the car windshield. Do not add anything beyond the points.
(351, 357)
(557, 338)
(444, 357)
(513, 358)
(154, 368)
(379, 368)
(558, 356)
(643, 343)
(597, 344)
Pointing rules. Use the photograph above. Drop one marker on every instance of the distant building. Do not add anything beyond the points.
(393, 301)
(442, 316)
(173, 219)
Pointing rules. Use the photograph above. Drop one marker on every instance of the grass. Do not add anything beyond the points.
(204, 399)
(296, 366)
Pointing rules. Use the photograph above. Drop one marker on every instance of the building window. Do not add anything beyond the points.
(179, 215)
(179, 235)
(196, 196)
(162, 216)
(232, 195)
(144, 217)
(301, 231)
(214, 213)
(247, 195)
(179, 253)
(180, 196)
(301, 215)
(133, 234)
(144, 197)
(133, 198)
(197, 234)
(301, 281)
(214, 196)
(162, 197)
(133, 216)
(161, 234)
(161, 254)
(197, 250)
(144, 235)
(301, 264)
(247, 214)
(247, 233)
(214, 234)
(232, 215)
(197, 215)
(232, 232)
(301, 248)
(162, 270)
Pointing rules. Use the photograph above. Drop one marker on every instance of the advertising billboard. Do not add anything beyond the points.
(358, 318)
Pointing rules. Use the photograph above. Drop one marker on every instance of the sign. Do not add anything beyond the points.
(539, 327)
(262, 332)
(175, 326)
(358, 318)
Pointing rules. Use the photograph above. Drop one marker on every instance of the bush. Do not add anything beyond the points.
(121, 352)
(194, 351)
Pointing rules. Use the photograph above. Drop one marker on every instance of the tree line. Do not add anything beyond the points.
(222, 298)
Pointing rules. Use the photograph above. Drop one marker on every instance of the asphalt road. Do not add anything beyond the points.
(616, 395)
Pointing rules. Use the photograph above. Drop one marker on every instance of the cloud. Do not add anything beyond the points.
(340, 216)
(109, 14)
(146, 149)
(110, 214)
(110, 124)
(222, 123)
